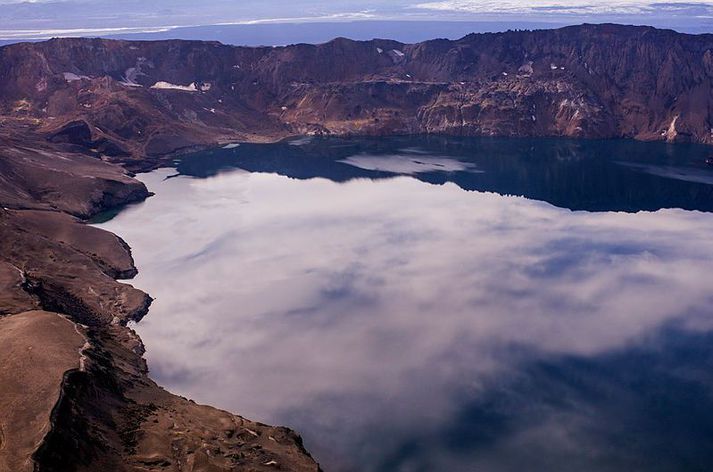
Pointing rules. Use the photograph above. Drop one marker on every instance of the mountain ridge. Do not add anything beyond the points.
(130, 100)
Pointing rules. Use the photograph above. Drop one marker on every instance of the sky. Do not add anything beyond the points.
(48, 18)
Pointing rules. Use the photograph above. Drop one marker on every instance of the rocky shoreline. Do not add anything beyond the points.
(109, 415)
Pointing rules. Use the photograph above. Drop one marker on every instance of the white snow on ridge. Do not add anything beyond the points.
(161, 85)
(398, 53)
(71, 77)
(126, 83)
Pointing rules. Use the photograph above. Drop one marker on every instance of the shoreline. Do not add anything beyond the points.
(124, 414)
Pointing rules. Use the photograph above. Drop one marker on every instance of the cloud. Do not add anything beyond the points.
(572, 7)
(42, 19)
(74, 32)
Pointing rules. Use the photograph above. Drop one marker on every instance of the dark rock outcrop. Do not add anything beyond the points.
(46, 178)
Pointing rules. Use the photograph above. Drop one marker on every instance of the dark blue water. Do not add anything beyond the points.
(579, 175)
(429, 303)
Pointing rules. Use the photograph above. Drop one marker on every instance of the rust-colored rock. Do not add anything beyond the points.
(120, 98)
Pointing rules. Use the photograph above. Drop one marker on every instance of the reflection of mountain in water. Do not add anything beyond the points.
(579, 175)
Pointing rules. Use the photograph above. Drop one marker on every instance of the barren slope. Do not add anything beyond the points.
(108, 415)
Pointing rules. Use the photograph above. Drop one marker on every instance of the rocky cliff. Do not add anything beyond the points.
(136, 99)
(75, 394)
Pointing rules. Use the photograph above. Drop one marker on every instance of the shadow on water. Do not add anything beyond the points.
(617, 175)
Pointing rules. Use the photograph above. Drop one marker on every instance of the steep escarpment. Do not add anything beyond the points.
(40, 346)
(75, 394)
(124, 100)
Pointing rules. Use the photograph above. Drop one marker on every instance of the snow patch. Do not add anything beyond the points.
(671, 133)
(398, 53)
(161, 85)
(126, 83)
(379, 50)
(72, 77)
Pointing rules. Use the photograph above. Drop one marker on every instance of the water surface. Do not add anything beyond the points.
(418, 304)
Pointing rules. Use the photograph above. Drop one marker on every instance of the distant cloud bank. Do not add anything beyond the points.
(569, 7)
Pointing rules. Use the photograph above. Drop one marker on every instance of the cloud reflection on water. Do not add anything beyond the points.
(368, 313)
